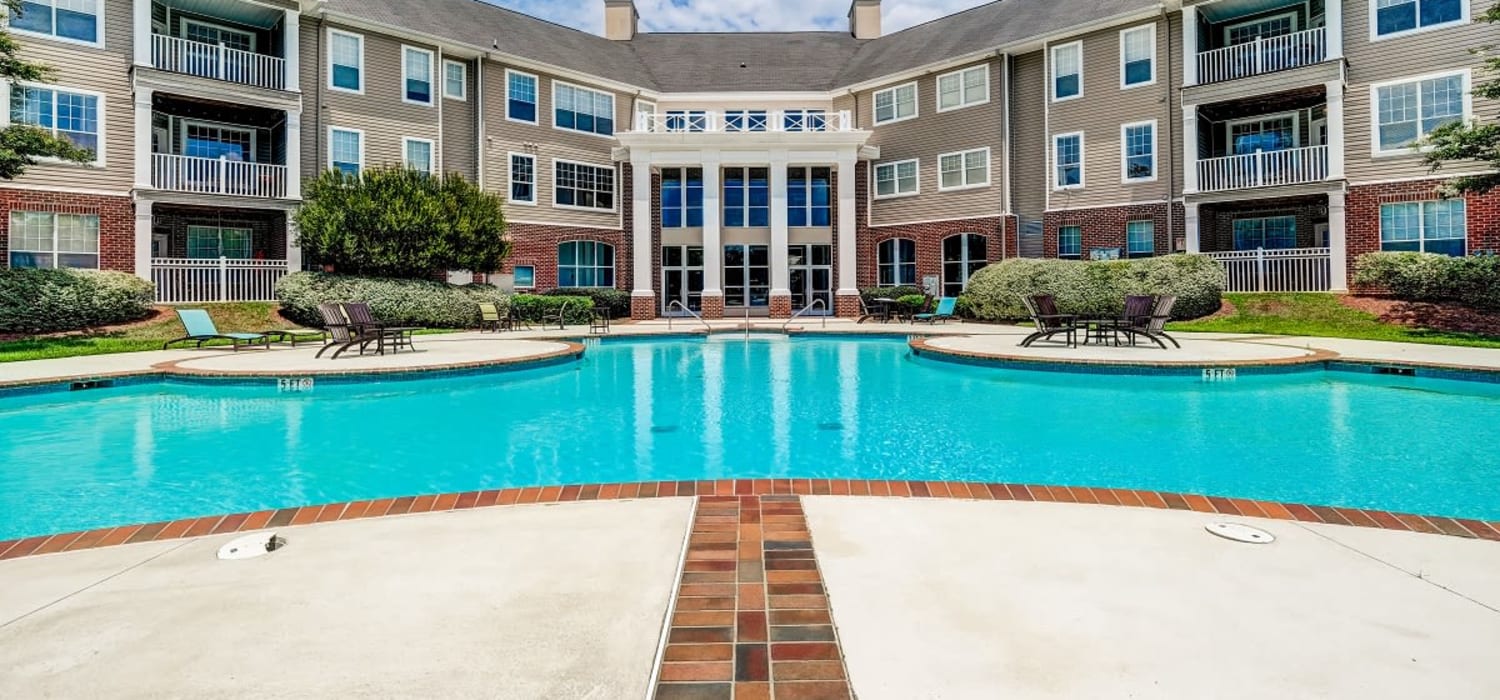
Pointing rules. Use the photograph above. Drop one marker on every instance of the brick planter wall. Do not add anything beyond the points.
(1104, 227)
(116, 221)
(1362, 215)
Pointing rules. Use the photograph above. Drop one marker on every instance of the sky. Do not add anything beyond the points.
(737, 15)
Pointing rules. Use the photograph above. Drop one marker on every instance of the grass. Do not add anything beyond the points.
(230, 318)
(1321, 315)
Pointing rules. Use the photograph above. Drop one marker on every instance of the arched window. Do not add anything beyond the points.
(585, 264)
(963, 255)
(898, 262)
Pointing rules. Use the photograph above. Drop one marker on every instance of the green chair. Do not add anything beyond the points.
(200, 328)
(944, 312)
(490, 318)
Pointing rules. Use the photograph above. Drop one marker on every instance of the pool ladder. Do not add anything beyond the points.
(815, 304)
(689, 312)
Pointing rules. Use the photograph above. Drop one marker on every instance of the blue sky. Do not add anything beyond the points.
(737, 15)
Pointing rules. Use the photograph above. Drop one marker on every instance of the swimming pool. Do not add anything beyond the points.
(687, 409)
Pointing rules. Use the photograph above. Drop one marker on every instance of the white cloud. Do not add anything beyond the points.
(737, 15)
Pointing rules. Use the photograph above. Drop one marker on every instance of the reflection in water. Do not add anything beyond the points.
(144, 454)
(713, 410)
(781, 405)
(849, 398)
(641, 363)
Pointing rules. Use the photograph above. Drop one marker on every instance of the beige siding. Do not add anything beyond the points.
(548, 144)
(1101, 110)
(932, 134)
(102, 70)
(1394, 59)
(459, 125)
(1028, 130)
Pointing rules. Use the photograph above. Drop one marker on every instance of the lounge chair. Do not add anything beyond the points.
(361, 317)
(1153, 325)
(490, 318)
(342, 334)
(1043, 310)
(943, 312)
(200, 328)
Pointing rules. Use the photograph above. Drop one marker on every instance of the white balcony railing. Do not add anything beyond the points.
(193, 281)
(1294, 50)
(217, 176)
(1288, 270)
(743, 122)
(1293, 166)
(170, 53)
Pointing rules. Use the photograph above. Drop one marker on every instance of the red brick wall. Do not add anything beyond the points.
(1216, 222)
(536, 244)
(116, 221)
(929, 236)
(1362, 215)
(1104, 227)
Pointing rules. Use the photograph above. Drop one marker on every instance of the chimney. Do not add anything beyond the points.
(864, 19)
(620, 20)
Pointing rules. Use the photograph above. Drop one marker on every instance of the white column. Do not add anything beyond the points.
(713, 233)
(1334, 26)
(294, 154)
(848, 259)
(291, 46)
(1338, 247)
(1190, 148)
(143, 239)
(1190, 228)
(1334, 91)
(780, 269)
(293, 247)
(641, 249)
(142, 27)
(143, 155)
(1190, 45)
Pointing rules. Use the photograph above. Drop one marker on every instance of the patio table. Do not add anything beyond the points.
(1102, 330)
(886, 304)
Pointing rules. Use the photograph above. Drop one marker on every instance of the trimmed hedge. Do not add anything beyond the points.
(535, 307)
(870, 294)
(1096, 288)
(1473, 282)
(52, 301)
(422, 303)
(617, 301)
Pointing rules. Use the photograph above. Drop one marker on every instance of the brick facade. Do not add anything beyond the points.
(928, 236)
(268, 237)
(1216, 221)
(1362, 213)
(536, 245)
(116, 221)
(1104, 227)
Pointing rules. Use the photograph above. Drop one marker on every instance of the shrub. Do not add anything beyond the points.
(1472, 281)
(870, 294)
(535, 307)
(617, 301)
(422, 303)
(912, 301)
(52, 301)
(1096, 288)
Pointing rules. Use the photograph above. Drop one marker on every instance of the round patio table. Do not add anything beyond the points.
(1101, 330)
(886, 304)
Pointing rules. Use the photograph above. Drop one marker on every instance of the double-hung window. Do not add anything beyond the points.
(1428, 227)
(73, 20)
(1407, 112)
(1068, 155)
(1070, 242)
(418, 154)
(346, 150)
(583, 186)
(522, 178)
(682, 198)
(745, 120)
(585, 264)
(1067, 71)
(213, 242)
(964, 88)
(346, 61)
(1269, 232)
(416, 73)
(1138, 143)
(808, 196)
(897, 262)
(1140, 238)
(44, 239)
(895, 104)
(455, 80)
(747, 197)
(1138, 56)
(520, 97)
(1393, 17)
(896, 179)
(966, 169)
(69, 115)
(581, 109)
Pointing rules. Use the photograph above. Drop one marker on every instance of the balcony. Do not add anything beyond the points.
(197, 175)
(217, 62)
(1293, 166)
(746, 122)
(1263, 55)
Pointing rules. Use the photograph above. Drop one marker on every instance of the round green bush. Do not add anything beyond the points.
(424, 303)
(1473, 281)
(1096, 287)
(53, 301)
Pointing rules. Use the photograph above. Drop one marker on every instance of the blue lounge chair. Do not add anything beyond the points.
(944, 312)
(200, 328)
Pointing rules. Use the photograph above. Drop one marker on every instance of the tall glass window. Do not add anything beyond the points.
(963, 255)
(346, 152)
(1140, 151)
(523, 178)
(1138, 56)
(520, 97)
(1067, 71)
(347, 56)
(1429, 227)
(897, 262)
(1409, 111)
(585, 264)
(682, 198)
(417, 72)
(747, 276)
(808, 196)
(747, 197)
(1069, 160)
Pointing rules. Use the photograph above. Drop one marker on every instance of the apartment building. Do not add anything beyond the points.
(756, 173)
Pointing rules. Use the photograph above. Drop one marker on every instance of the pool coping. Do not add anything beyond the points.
(185, 528)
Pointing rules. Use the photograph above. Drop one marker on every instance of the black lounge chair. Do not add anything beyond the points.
(1043, 310)
(513, 320)
(342, 334)
(361, 317)
(1153, 326)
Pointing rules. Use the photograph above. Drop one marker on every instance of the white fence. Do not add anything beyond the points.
(700, 121)
(205, 60)
(1289, 270)
(1279, 53)
(1292, 166)
(190, 280)
(217, 176)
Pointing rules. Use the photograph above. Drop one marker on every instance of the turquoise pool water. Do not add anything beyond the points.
(723, 407)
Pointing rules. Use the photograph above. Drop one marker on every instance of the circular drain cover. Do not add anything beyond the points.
(1241, 533)
(252, 546)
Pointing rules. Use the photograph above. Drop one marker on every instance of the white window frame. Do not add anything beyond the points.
(1464, 19)
(1296, 26)
(99, 28)
(406, 142)
(361, 39)
(99, 160)
(1296, 126)
(1071, 256)
(221, 126)
(1132, 254)
(875, 179)
(1125, 32)
(254, 41)
(896, 264)
(98, 238)
(510, 174)
(331, 130)
(1125, 177)
(916, 104)
(613, 116)
(613, 261)
(1082, 162)
(513, 276)
(463, 95)
(614, 198)
(1468, 115)
(1422, 237)
(988, 170)
(537, 85)
(1052, 70)
(432, 88)
(963, 94)
(219, 234)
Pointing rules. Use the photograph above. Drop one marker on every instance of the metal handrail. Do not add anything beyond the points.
(684, 307)
(815, 303)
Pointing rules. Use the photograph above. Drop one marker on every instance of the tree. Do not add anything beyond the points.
(399, 222)
(22, 144)
(1476, 141)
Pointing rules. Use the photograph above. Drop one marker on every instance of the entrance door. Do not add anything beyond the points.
(682, 278)
(811, 276)
(747, 276)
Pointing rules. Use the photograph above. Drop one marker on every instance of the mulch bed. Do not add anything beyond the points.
(156, 314)
(1447, 317)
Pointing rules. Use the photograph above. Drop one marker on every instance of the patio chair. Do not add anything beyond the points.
(513, 320)
(363, 319)
(341, 333)
(558, 316)
(200, 328)
(1043, 310)
(1153, 326)
(864, 310)
(599, 320)
(943, 312)
(489, 318)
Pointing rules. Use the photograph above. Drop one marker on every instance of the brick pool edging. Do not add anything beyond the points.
(306, 515)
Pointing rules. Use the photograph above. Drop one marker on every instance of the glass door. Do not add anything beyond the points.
(682, 278)
(811, 276)
(1276, 133)
(747, 276)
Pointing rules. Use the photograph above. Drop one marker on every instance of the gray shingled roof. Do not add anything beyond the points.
(773, 61)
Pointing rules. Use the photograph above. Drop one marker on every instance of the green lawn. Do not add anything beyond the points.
(230, 318)
(1320, 315)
